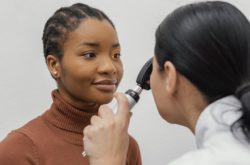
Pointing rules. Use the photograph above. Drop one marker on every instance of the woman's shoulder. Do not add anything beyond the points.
(32, 128)
(134, 155)
(133, 144)
(17, 148)
(26, 134)
(132, 140)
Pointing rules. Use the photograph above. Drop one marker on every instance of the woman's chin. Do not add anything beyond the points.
(105, 100)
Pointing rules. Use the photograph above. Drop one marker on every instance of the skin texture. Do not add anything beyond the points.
(90, 70)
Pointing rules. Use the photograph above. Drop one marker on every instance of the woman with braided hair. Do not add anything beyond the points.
(82, 52)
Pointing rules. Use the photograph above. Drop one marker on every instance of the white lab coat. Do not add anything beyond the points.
(216, 144)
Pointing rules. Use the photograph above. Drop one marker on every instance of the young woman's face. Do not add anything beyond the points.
(91, 68)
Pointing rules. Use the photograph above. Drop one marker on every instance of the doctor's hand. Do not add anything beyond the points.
(106, 139)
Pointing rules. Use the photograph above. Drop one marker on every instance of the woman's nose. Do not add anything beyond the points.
(107, 66)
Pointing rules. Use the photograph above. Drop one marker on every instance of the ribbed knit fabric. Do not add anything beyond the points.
(54, 138)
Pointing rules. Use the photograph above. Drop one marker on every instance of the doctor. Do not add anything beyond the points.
(200, 79)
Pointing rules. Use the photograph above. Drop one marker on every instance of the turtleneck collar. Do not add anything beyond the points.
(64, 116)
(217, 117)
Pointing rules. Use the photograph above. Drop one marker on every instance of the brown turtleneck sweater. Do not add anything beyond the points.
(54, 138)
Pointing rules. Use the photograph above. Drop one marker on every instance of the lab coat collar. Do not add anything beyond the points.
(217, 117)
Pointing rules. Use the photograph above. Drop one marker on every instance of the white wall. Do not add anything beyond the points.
(25, 83)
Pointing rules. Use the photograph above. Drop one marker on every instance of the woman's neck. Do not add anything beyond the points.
(79, 104)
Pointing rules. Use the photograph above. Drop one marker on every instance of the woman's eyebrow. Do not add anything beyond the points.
(96, 44)
(92, 44)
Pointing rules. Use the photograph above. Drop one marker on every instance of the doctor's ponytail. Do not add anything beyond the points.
(243, 93)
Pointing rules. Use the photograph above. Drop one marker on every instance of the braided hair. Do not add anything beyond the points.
(63, 21)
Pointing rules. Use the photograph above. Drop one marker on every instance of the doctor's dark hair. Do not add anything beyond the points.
(209, 43)
(65, 20)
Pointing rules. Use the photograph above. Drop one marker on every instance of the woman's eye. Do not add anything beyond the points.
(89, 55)
(117, 56)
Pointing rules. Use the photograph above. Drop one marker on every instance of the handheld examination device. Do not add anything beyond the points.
(142, 81)
(133, 95)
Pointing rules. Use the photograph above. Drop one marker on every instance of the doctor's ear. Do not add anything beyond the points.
(53, 66)
(171, 76)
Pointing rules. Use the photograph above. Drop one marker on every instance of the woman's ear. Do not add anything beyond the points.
(171, 77)
(53, 66)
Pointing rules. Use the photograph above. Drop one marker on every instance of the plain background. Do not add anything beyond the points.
(26, 85)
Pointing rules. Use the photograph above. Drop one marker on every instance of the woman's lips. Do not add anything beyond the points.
(106, 88)
(106, 85)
